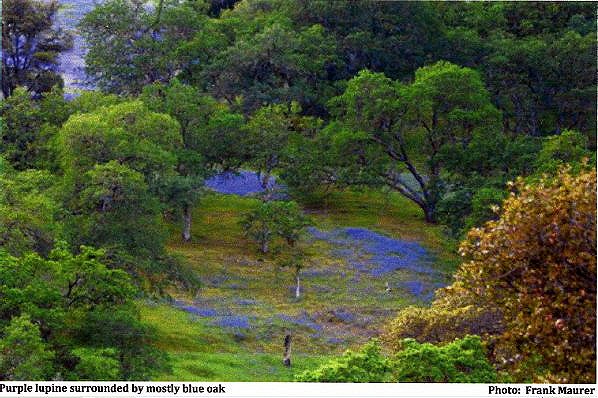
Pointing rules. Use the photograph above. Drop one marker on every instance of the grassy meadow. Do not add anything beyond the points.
(233, 328)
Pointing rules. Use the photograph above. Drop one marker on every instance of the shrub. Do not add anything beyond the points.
(528, 284)
(97, 364)
(365, 366)
(441, 324)
(23, 354)
(462, 361)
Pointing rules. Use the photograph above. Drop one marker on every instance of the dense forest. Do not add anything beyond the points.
(401, 191)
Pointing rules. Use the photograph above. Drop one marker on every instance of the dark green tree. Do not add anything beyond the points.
(131, 45)
(28, 126)
(212, 139)
(259, 57)
(31, 45)
(69, 316)
(390, 131)
(116, 162)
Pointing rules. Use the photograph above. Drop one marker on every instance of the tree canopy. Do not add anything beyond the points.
(31, 45)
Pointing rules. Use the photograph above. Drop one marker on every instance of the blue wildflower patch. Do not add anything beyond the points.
(194, 310)
(242, 183)
(232, 321)
(302, 319)
(369, 251)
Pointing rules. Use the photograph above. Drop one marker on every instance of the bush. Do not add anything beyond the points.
(69, 316)
(441, 324)
(568, 147)
(528, 285)
(97, 364)
(484, 206)
(462, 361)
(23, 354)
(365, 366)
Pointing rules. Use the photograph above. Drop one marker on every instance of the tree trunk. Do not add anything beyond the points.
(186, 223)
(298, 287)
(429, 213)
(265, 179)
(265, 247)
(287, 351)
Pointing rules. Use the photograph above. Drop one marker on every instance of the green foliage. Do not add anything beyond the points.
(274, 219)
(275, 64)
(97, 364)
(368, 365)
(121, 330)
(391, 129)
(21, 122)
(485, 204)
(116, 161)
(535, 58)
(269, 131)
(187, 105)
(90, 101)
(308, 170)
(212, 138)
(23, 354)
(477, 175)
(568, 147)
(29, 212)
(29, 125)
(131, 45)
(462, 361)
(444, 110)
(53, 305)
(118, 212)
(128, 132)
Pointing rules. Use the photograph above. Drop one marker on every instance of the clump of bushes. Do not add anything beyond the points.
(367, 365)
(463, 361)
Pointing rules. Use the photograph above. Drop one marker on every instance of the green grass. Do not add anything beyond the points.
(231, 269)
(386, 212)
(199, 352)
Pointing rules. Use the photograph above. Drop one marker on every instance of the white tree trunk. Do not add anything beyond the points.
(298, 288)
(186, 223)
